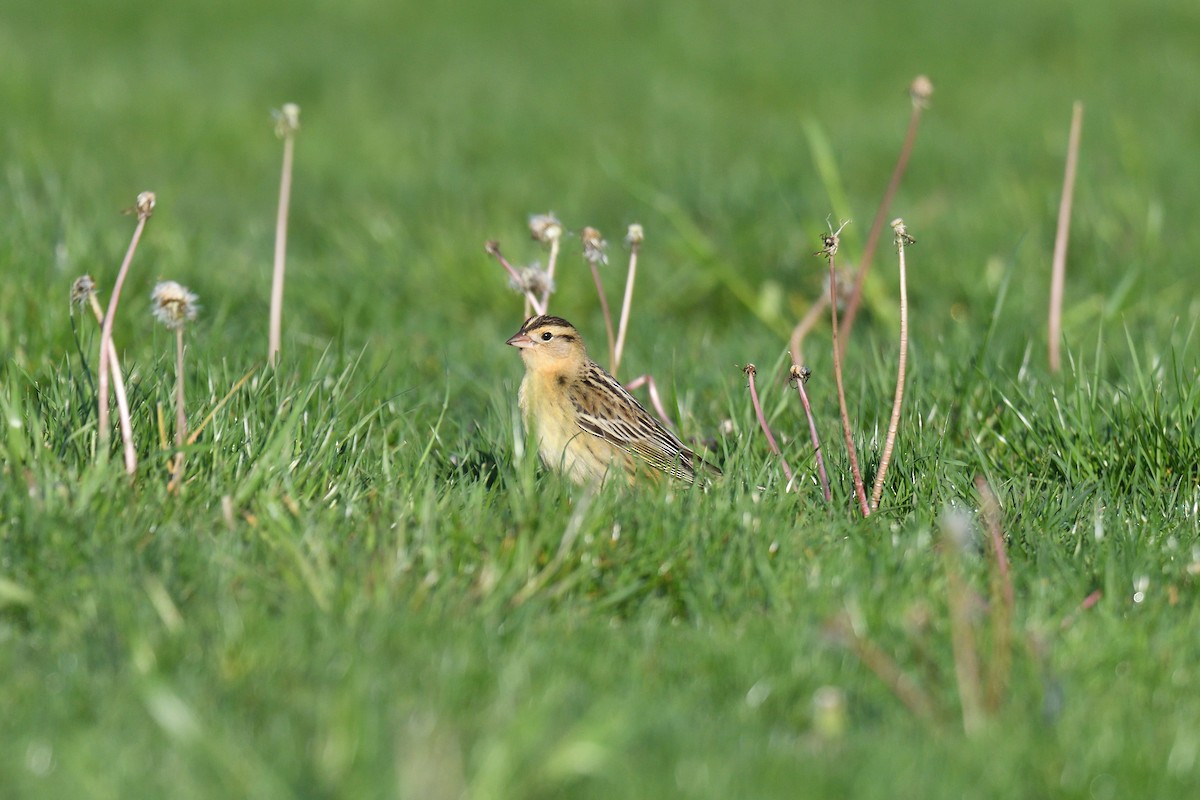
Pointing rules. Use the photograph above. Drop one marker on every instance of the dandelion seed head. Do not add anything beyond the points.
(82, 288)
(287, 119)
(145, 204)
(920, 90)
(545, 227)
(593, 246)
(635, 235)
(799, 373)
(173, 305)
(532, 279)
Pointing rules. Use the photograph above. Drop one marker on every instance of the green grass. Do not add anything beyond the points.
(368, 587)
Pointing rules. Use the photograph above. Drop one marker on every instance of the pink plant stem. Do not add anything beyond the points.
(859, 491)
(106, 331)
(1084, 605)
(881, 214)
(608, 326)
(751, 371)
(898, 400)
(275, 333)
(655, 400)
(626, 302)
(812, 429)
(493, 249)
(1058, 271)
(118, 382)
(806, 323)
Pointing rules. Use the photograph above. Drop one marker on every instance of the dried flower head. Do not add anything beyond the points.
(545, 227)
(635, 235)
(750, 370)
(287, 119)
(174, 305)
(902, 237)
(491, 247)
(799, 373)
(831, 241)
(83, 288)
(593, 246)
(532, 279)
(144, 205)
(920, 90)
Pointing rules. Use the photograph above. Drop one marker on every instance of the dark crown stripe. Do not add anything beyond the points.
(537, 322)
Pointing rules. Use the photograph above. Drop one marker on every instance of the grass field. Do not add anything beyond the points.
(368, 587)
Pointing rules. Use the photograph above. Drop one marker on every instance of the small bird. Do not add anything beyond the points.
(587, 424)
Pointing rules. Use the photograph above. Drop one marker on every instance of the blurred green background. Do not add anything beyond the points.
(428, 128)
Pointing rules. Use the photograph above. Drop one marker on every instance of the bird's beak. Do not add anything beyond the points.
(522, 340)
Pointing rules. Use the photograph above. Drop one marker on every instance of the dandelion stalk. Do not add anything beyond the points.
(287, 122)
(174, 306)
(634, 237)
(920, 90)
(800, 377)
(144, 208)
(806, 323)
(547, 229)
(751, 371)
(1058, 270)
(519, 281)
(902, 239)
(593, 253)
(831, 242)
(84, 291)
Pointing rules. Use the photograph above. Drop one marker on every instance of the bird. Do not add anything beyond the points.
(588, 426)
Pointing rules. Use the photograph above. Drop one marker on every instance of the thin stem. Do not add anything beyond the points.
(751, 371)
(180, 413)
(1084, 604)
(551, 263)
(898, 400)
(626, 302)
(493, 249)
(194, 435)
(118, 384)
(859, 491)
(655, 400)
(608, 326)
(281, 223)
(1058, 269)
(888, 671)
(106, 329)
(806, 323)
(1002, 596)
(799, 375)
(881, 214)
(966, 657)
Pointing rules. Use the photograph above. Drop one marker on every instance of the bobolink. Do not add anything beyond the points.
(587, 424)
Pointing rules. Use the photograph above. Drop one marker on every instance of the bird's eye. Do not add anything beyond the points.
(547, 336)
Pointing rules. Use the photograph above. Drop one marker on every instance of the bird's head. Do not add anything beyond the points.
(549, 343)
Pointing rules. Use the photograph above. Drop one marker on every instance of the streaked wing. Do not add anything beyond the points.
(607, 410)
